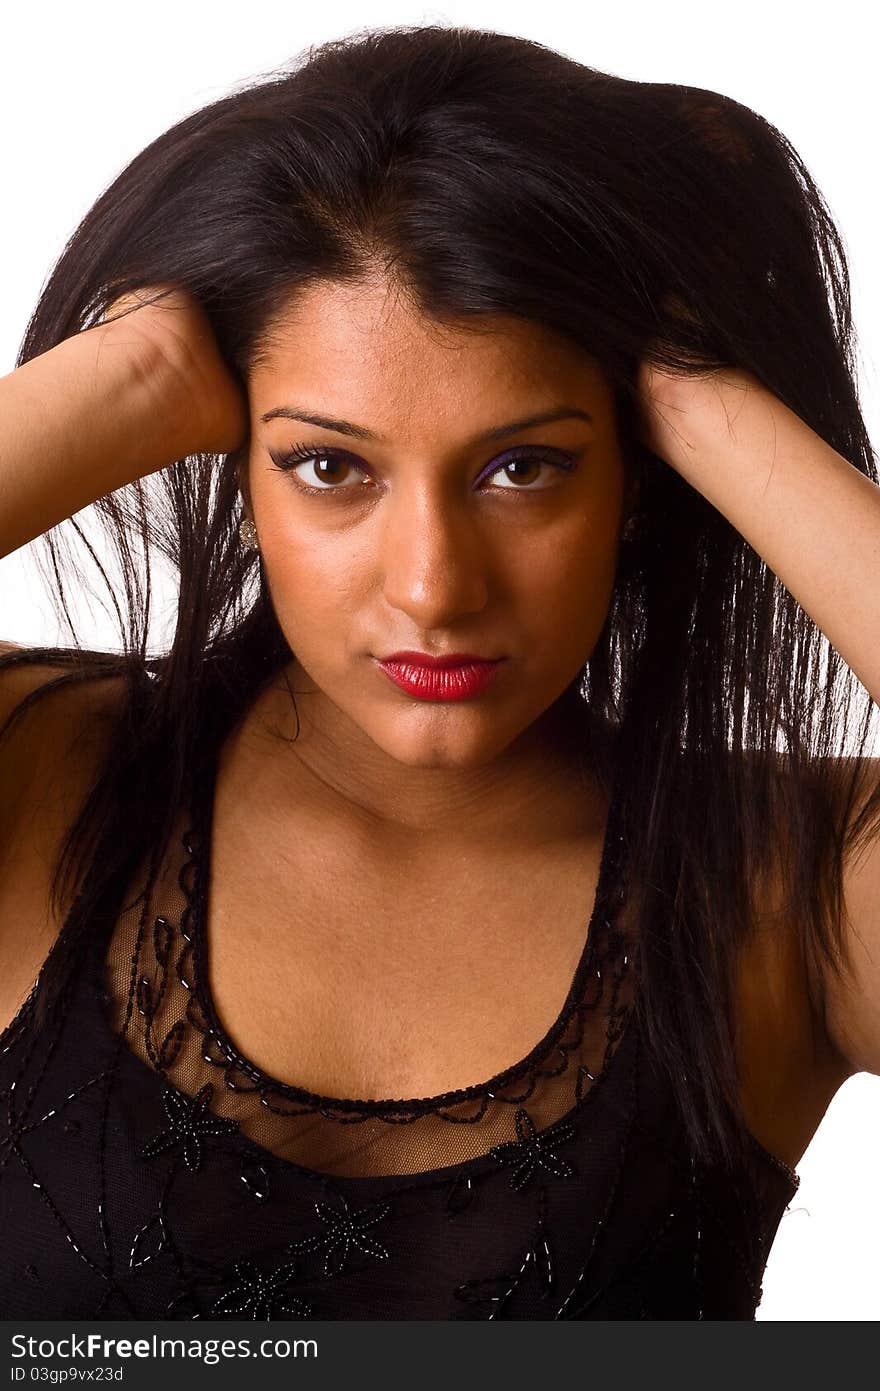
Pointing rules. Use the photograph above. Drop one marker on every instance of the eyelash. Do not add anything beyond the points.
(303, 454)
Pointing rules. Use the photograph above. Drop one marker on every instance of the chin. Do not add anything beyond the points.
(441, 749)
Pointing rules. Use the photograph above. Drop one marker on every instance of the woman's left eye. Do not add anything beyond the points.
(529, 462)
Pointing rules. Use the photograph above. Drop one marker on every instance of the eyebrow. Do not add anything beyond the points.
(346, 427)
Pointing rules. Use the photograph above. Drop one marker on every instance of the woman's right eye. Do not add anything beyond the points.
(326, 465)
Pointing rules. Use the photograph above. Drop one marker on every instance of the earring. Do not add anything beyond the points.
(248, 534)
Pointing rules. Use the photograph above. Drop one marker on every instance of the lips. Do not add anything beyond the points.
(447, 679)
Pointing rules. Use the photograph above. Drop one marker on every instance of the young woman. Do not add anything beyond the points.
(472, 913)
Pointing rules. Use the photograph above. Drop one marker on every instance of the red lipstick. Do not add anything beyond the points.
(456, 676)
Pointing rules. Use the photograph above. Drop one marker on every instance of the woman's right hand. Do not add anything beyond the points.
(215, 409)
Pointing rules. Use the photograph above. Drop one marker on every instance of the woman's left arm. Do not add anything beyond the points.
(812, 516)
(815, 520)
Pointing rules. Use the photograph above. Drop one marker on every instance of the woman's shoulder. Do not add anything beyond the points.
(53, 740)
(55, 719)
(788, 1066)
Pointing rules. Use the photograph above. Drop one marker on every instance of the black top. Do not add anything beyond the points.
(149, 1170)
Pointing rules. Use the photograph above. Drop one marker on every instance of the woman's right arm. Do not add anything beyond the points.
(101, 409)
(107, 406)
(77, 422)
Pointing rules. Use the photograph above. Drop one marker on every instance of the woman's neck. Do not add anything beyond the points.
(545, 785)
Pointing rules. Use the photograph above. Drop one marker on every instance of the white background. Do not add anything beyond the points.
(84, 87)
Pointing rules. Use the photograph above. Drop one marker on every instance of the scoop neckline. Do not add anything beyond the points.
(198, 842)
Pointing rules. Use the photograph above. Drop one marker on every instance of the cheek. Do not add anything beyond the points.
(315, 580)
(566, 571)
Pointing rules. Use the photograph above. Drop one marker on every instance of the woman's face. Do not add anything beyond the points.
(411, 527)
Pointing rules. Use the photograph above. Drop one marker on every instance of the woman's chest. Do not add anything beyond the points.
(399, 979)
(411, 978)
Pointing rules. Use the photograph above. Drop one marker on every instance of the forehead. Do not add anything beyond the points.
(359, 339)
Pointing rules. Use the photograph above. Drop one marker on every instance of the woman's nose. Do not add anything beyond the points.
(434, 560)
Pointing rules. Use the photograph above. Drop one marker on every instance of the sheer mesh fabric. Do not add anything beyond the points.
(163, 1007)
(147, 1169)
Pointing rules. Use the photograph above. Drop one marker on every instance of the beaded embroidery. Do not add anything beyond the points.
(149, 1169)
(189, 1123)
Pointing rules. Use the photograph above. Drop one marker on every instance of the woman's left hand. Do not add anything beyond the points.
(669, 402)
(666, 398)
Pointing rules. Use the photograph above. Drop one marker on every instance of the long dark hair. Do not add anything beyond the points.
(489, 174)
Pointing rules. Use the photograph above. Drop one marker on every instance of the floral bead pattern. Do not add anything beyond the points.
(190, 1122)
(532, 1150)
(148, 1169)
